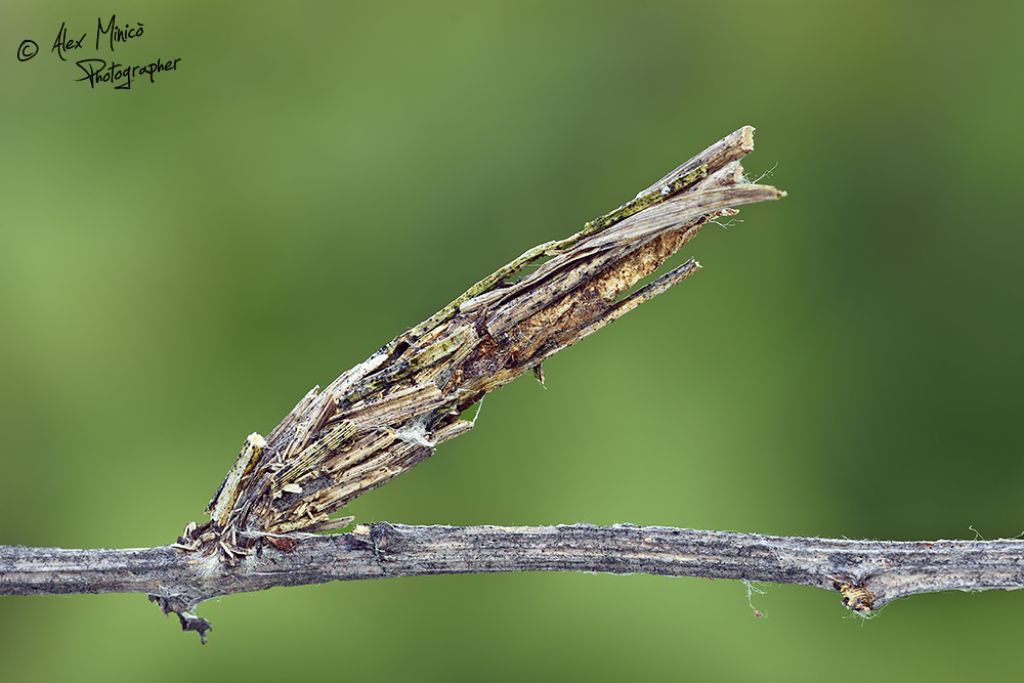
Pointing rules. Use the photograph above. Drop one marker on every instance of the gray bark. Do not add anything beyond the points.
(867, 574)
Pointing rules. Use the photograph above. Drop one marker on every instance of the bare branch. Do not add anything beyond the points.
(868, 574)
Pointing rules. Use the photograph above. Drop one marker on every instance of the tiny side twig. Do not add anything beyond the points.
(867, 574)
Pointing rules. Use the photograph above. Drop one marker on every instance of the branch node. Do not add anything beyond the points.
(856, 596)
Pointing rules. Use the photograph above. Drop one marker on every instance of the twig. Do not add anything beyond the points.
(868, 574)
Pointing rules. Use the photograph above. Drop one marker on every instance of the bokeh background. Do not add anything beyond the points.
(181, 262)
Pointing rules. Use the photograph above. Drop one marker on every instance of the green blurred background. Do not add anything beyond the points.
(181, 262)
